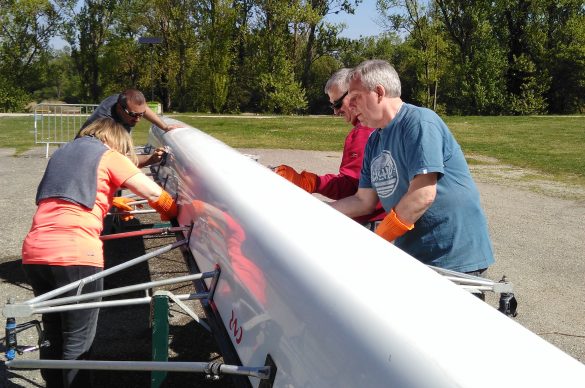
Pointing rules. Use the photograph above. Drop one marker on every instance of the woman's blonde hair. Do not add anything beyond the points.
(113, 134)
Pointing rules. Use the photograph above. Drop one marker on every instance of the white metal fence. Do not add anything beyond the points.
(59, 123)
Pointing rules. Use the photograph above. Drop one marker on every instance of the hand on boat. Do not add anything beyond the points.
(156, 156)
(170, 127)
(166, 206)
(305, 180)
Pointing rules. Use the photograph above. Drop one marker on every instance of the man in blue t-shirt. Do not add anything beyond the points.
(416, 168)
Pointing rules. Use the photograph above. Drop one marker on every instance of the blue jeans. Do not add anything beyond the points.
(70, 333)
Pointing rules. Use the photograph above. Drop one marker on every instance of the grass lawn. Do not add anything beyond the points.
(551, 145)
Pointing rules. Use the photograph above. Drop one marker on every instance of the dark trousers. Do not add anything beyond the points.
(70, 333)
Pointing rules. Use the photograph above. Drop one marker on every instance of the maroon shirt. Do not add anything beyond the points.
(346, 182)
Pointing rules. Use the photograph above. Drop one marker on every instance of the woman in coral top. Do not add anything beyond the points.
(63, 244)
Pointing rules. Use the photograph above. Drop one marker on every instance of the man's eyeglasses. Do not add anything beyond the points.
(337, 103)
(133, 114)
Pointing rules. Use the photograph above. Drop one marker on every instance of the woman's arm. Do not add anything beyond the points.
(143, 186)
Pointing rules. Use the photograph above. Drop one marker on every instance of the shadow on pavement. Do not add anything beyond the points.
(11, 272)
(123, 332)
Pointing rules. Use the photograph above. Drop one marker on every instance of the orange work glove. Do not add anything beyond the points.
(165, 205)
(391, 227)
(305, 180)
(121, 203)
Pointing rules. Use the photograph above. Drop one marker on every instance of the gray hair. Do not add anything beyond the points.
(339, 79)
(377, 72)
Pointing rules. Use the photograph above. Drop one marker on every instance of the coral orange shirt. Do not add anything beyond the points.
(64, 233)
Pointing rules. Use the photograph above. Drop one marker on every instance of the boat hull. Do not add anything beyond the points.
(332, 304)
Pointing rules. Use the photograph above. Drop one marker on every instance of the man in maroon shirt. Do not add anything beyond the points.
(345, 183)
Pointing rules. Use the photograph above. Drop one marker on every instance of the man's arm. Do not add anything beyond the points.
(147, 160)
(364, 201)
(420, 196)
(337, 186)
(156, 120)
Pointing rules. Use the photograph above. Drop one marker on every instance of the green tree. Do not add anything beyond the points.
(26, 27)
(321, 70)
(476, 81)
(217, 48)
(12, 98)
(178, 23)
(242, 69)
(318, 33)
(517, 28)
(123, 62)
(353, 52)
(529, 98)
(564, 54)
(277, 88)
(88, 33)
(419, 20)
(59, 78)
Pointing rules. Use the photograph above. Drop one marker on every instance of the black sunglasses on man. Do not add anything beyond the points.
(335, 105)
(132, 114)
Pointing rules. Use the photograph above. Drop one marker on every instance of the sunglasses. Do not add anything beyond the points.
(337, 103)
(133, 114)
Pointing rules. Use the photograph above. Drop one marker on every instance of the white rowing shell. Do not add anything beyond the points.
(333, 304)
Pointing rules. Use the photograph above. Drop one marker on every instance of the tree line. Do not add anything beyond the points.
(274, 56)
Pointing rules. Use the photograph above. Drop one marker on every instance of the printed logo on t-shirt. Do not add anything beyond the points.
(384, 175)
(353, 155)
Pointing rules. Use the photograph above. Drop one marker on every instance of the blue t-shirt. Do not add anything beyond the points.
(453, 232)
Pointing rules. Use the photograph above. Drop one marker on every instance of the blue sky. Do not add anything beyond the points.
(362, 23)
